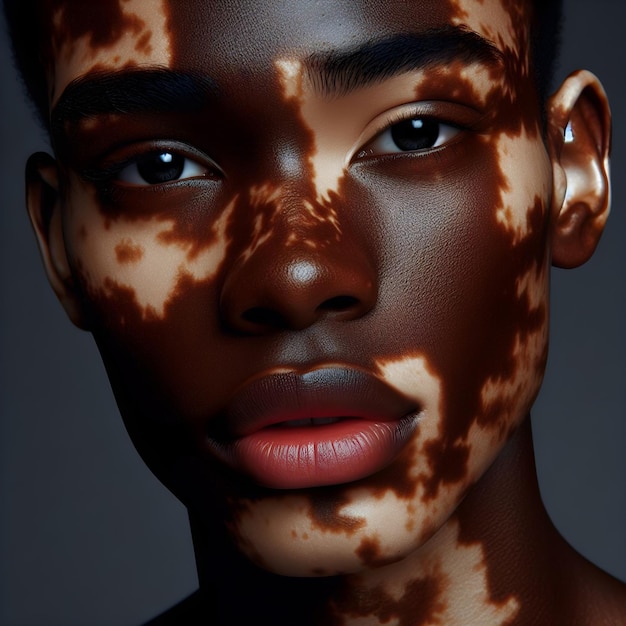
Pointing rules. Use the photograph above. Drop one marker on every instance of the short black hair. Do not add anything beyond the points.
(26, 31)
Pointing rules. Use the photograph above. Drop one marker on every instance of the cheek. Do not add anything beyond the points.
(147, 279)
(149, 255)
(465, 293)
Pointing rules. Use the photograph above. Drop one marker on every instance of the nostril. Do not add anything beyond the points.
(338, 304)
(265, 317)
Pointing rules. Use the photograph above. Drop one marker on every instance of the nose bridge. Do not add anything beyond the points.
(290, 216)
(308, 221)
(299, 266)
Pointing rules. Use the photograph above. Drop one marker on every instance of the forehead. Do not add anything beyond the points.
(223, 36)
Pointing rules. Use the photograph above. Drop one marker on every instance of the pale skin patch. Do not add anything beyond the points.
(526, 167)
(301, 220)
(413, 377)
(533, 286)
(403, 523)
(329, 215)
(529, 352)
(149, 45)
(262, 230)
(290, 71)
(493, 20)
(285, 554)
(152, 277)
(481, 80)
(327, 172)
(462, 572)
(468, 601)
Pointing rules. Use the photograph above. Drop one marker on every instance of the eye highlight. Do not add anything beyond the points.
(161, 166)
(414, 134)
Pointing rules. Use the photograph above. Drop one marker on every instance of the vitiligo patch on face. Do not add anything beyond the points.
(290, 75)
(501, 395)
(474, 84)
(427, 589)
(139, 256)
(519, 193)
(415, 378)
(327, 164)
(504, 23)
(272, 205)
(287, 541)
(105, 36)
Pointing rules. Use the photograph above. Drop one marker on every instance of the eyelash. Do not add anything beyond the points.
(121, 171)
(418, 121)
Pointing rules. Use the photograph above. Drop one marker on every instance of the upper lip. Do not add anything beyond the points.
(324, 392)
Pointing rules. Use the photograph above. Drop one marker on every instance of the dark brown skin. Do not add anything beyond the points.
(297, 241)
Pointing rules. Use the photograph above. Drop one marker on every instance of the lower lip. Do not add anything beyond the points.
(316, 456)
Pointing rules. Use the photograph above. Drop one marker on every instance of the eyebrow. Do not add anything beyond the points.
(131, 91)
(339, 73)
(336, 73)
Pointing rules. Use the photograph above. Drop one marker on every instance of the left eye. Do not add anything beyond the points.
(411, 135)
(158, 167)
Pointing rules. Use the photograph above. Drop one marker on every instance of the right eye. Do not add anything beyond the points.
(162, 166)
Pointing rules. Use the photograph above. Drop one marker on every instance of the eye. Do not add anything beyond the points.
(416, 134)
(161, 166)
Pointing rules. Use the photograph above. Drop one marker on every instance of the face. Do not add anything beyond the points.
(311, 242)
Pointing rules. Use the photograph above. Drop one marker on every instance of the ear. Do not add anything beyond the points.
(580, 137)
(43, 200)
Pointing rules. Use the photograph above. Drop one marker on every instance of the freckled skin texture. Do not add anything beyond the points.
(297, 243)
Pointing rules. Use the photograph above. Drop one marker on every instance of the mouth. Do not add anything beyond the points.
(325, 427)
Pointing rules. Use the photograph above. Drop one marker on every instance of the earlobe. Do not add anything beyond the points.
(43, 200)
(579, 137)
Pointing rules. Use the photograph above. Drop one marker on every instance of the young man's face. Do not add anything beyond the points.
(313, 210)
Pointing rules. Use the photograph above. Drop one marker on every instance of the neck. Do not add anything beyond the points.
(492, 562)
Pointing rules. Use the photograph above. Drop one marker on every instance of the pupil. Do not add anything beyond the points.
(416, 134)
(160, 167)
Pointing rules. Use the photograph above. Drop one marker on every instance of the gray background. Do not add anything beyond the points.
(89, 537)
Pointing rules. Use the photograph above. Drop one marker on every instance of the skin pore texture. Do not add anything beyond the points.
(299, 250)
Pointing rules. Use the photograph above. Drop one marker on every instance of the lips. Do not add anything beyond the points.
(324, 427)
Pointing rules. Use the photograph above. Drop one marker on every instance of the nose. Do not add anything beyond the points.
(291, 287)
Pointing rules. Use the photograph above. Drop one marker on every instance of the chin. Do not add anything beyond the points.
(331, 532)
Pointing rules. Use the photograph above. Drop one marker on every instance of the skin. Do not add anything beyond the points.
(287, 242)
